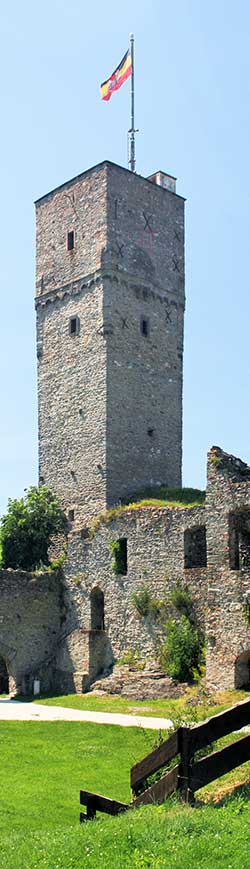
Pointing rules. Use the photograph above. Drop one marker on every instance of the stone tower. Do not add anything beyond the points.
(110, 309)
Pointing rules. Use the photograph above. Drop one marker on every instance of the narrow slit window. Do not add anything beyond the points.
(74, 326)
(71, 240)
(71, 515)
(144, 327)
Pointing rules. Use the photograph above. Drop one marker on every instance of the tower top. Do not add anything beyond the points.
(159, 178)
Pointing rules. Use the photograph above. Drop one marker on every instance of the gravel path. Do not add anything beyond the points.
(15, 710)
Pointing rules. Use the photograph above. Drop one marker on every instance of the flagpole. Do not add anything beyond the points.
(132, 128)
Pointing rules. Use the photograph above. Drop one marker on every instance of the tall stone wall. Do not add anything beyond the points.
(228, 634)
(110, 393)
(31, 614)
(155, 559)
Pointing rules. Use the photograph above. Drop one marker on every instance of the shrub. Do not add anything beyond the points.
(141, 600)
(132, 657)
(181, 599)
(180, 653)
(119, 556)
(28, 528)
(145, 604)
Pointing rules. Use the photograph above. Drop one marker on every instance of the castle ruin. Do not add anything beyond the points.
(110, 309)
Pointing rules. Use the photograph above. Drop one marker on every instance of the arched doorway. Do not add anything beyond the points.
(4, 677)
(242, 670)
(97, 609)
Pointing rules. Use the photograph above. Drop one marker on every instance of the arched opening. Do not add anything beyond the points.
(242, 670)
(4, 677)
(97, 609)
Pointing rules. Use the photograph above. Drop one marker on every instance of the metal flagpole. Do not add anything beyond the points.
(132, 128)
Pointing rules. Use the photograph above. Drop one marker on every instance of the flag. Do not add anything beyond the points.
(115, 81)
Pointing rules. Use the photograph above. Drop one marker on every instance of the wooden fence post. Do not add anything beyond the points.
(187, 795)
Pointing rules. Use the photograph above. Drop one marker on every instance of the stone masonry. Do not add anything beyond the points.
(67, 629)
(110, 309)
(110, 261)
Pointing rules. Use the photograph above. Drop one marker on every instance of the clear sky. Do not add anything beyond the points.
(192, 69)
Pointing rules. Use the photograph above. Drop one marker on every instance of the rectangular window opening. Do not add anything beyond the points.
(74, 326)
(71, 515)
(239, 540)
(120, 557)
(144, 327)
(71, 240)
(195, 547)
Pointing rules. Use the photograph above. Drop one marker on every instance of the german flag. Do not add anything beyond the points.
(115, 81)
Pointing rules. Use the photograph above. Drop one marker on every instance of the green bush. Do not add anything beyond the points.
(141, 600)
(28, 528)
(145, 604)
(119, 556)
(180, 653)
(132, 657)
(182, 601)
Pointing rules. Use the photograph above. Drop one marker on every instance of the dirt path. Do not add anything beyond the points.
(15, 710)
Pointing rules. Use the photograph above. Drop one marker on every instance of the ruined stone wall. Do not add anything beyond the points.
(31, 611)
(228, 635)
(155, 558)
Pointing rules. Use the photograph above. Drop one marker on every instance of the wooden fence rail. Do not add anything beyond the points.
(187, 776)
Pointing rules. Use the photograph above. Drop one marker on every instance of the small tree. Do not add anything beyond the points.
(28, 528)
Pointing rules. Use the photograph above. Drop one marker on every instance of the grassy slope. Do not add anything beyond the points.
(43, 766)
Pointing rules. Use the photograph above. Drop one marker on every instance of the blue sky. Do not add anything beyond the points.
(192, 65)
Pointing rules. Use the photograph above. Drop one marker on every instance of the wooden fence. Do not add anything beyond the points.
(189, 774)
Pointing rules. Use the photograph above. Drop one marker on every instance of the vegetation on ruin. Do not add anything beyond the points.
(176, 497)
(181, 653)
(28, 527)
(118, 557)
(145, 603)
(132, 657)
(44, 764)
(151, 497)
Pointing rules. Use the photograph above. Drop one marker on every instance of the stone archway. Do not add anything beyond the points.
(4, 677)
(97, 609)
(242, 670)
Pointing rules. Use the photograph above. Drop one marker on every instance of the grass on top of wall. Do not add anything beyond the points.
(151, 497)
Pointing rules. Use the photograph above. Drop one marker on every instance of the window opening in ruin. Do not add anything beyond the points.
(120, 556)
(195, 547)
(71, 515)
(144, 327)
(74, 326)
(150, 432)
(4, 677)
(97, 609)
(239, 540)
(242, 670)
(71, 240)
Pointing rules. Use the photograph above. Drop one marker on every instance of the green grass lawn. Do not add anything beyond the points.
(43, 766)
(190, 707)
